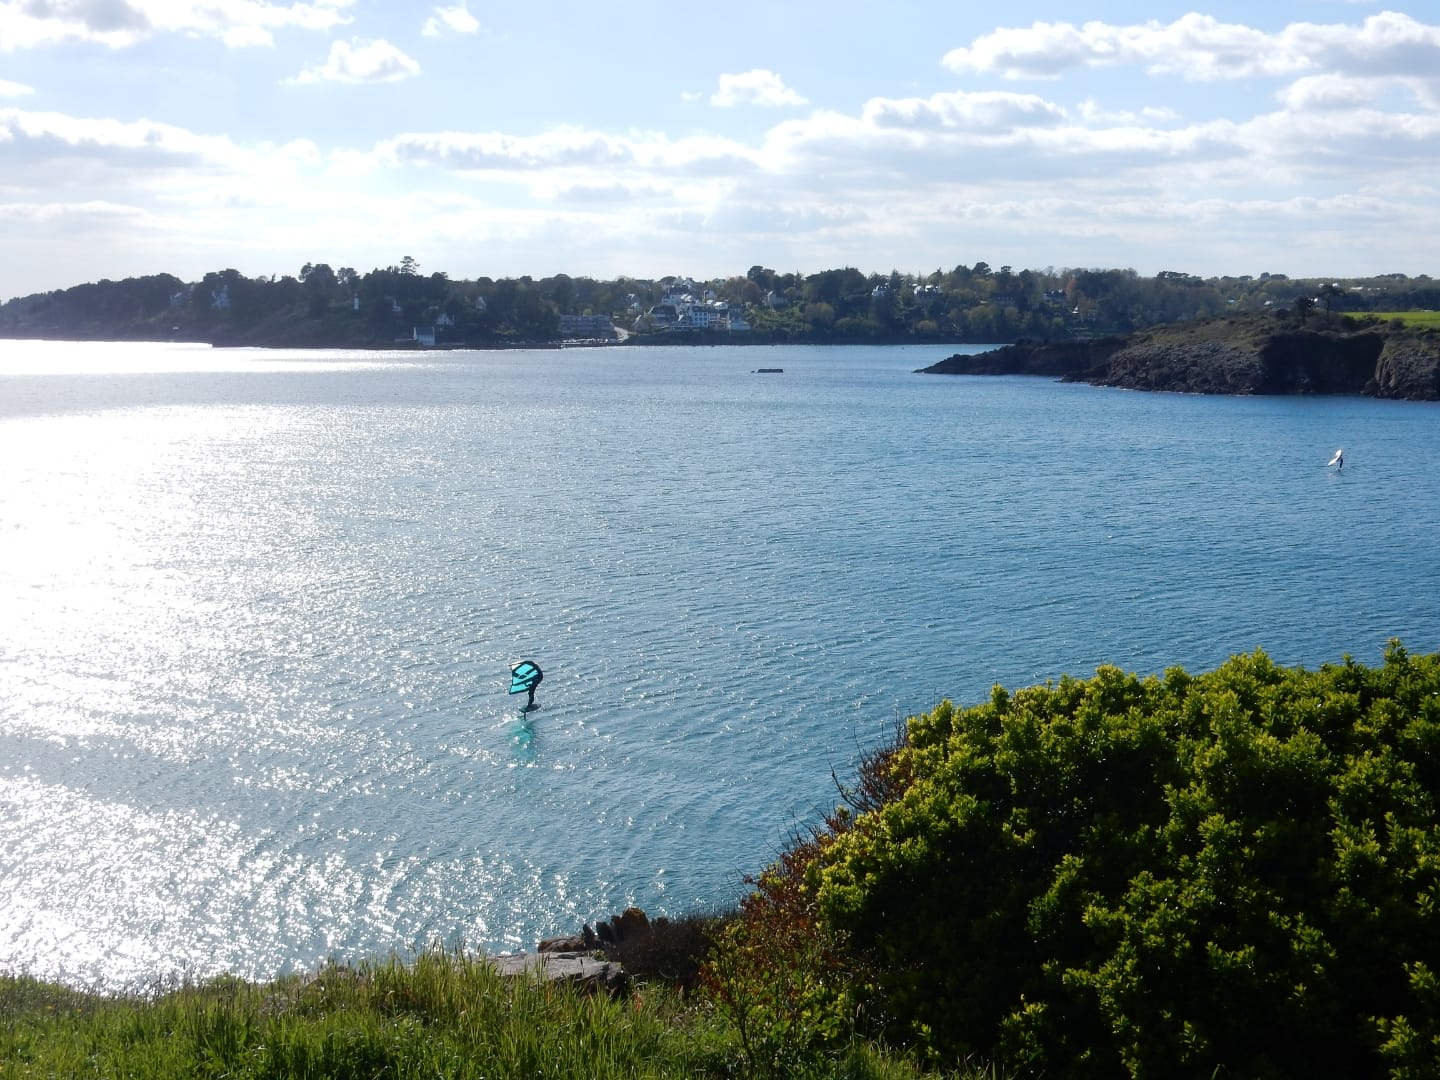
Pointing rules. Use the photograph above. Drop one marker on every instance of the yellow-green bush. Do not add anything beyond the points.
(1161, 877)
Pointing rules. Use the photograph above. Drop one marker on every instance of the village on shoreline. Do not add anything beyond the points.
(401, 307)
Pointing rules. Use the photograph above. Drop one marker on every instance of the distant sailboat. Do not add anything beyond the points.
(1338, 460)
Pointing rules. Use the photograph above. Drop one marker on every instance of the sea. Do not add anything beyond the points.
(258, 611)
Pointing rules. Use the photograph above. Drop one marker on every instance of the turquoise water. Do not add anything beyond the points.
(260, 609)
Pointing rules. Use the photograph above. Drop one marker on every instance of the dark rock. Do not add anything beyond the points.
(1407, 368)
(569, 943)
(1305, 362)
(1230, 356)
(629, 924)
(1057, 359)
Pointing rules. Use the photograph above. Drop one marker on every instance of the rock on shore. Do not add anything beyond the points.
(585, 970)
(586, 959)
(1253, 355)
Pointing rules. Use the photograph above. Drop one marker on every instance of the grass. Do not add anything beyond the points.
(441, 1015)
(1428, 320)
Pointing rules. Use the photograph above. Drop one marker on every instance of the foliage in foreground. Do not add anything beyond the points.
(1236, 873)
(442, 1016)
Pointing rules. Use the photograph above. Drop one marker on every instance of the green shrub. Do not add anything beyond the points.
(775, 973)
(1163, 877)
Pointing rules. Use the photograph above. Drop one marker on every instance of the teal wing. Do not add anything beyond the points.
(525, 676)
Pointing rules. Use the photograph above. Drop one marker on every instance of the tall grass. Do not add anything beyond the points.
(440, 1015)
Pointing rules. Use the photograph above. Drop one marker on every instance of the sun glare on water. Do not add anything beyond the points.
(171, 358)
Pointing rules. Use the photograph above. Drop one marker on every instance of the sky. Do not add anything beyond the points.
(642, 139)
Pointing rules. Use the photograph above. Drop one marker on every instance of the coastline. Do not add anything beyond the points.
(632, 341)
(1232, 356)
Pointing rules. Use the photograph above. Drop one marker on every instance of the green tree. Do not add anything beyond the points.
(1328, 292)
(834, 286)
(562, 292)
(320, 283)
(820, 316)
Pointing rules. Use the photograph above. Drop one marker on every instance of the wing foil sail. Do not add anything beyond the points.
(525, 676)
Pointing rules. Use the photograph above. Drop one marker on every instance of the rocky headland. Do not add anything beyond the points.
(1254, 355)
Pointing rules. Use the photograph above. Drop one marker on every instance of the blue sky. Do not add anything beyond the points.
(141, 136)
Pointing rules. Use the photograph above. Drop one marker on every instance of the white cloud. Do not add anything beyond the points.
(493, 150)
(1426, 91)
(29, 135)
(71, 216)
(1330, 92)
(14, 89)
(757, 87)
(248, 36)
(454, 20)
(119, 24)
(49, 152)
(1044, 51)
(989, 112)
(1388, 44)
(361, 62)
(1352, 143)
(1201, 48)
(919, 145)
(603, 158)
(975, 136)
(1093, 114)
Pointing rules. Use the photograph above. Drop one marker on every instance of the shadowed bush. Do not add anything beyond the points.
(672, 951)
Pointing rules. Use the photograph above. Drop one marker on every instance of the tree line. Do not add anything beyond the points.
(321, 304)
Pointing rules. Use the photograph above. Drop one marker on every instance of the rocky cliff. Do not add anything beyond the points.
(1232, 356)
